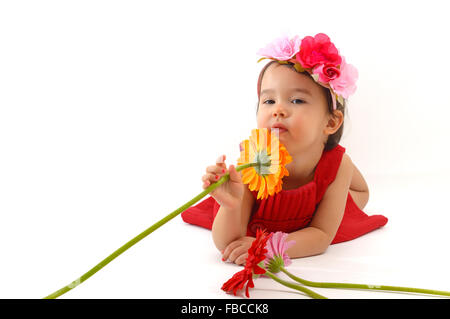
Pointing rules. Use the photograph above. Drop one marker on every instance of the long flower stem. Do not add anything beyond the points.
(363, 286)
(148, 231)
(309, 292)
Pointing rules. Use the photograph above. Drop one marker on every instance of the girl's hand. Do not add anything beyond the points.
(230, 193)
(236, 251)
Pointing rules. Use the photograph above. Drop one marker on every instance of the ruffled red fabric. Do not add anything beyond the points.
(291, 210)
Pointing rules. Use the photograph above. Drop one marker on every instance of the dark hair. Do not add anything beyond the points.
(333, 139)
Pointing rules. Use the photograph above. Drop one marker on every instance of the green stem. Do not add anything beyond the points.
(295, 286)
(363, 286)
(148, 231)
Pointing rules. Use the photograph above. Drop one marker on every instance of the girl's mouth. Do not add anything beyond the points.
(280, 130)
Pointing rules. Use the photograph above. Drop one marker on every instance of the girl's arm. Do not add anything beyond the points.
(231, 224)
(359, 189)
(316, 238)
(358, 183)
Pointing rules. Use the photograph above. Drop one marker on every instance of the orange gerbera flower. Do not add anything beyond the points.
(265, 148)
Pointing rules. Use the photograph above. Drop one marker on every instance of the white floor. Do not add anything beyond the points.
(180, 261)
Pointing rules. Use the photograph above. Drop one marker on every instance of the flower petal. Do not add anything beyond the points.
(264, 148)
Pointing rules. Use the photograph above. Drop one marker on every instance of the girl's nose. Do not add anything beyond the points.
(279, 112)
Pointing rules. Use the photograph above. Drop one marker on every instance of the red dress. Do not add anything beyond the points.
(291, 210)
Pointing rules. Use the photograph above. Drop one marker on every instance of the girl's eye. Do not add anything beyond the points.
(298, 101)
(295, 101)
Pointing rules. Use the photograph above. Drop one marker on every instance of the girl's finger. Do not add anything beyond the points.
(241, 259)
(238, 251)
(220, 161)
(227, 251)
(216, 169)
(235, 176)
(211, 178)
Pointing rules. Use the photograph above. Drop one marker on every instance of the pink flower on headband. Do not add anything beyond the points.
(345, 84)
(281, 49)
(326, 72)
(318, 50)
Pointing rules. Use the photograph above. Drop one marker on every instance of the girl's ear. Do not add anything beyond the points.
(334, 123)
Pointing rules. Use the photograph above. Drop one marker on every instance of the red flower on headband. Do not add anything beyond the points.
(256, 254)
(326, 72)
(318, 50)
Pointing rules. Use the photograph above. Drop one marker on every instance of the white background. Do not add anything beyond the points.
(110, 112)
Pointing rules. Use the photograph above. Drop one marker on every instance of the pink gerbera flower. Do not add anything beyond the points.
(276, 255)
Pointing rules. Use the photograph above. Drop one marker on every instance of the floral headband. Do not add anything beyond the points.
(319, 57)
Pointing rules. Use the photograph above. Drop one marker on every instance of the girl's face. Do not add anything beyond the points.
(295, 100)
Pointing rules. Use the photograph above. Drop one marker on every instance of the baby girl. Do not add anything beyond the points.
(302, 94)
